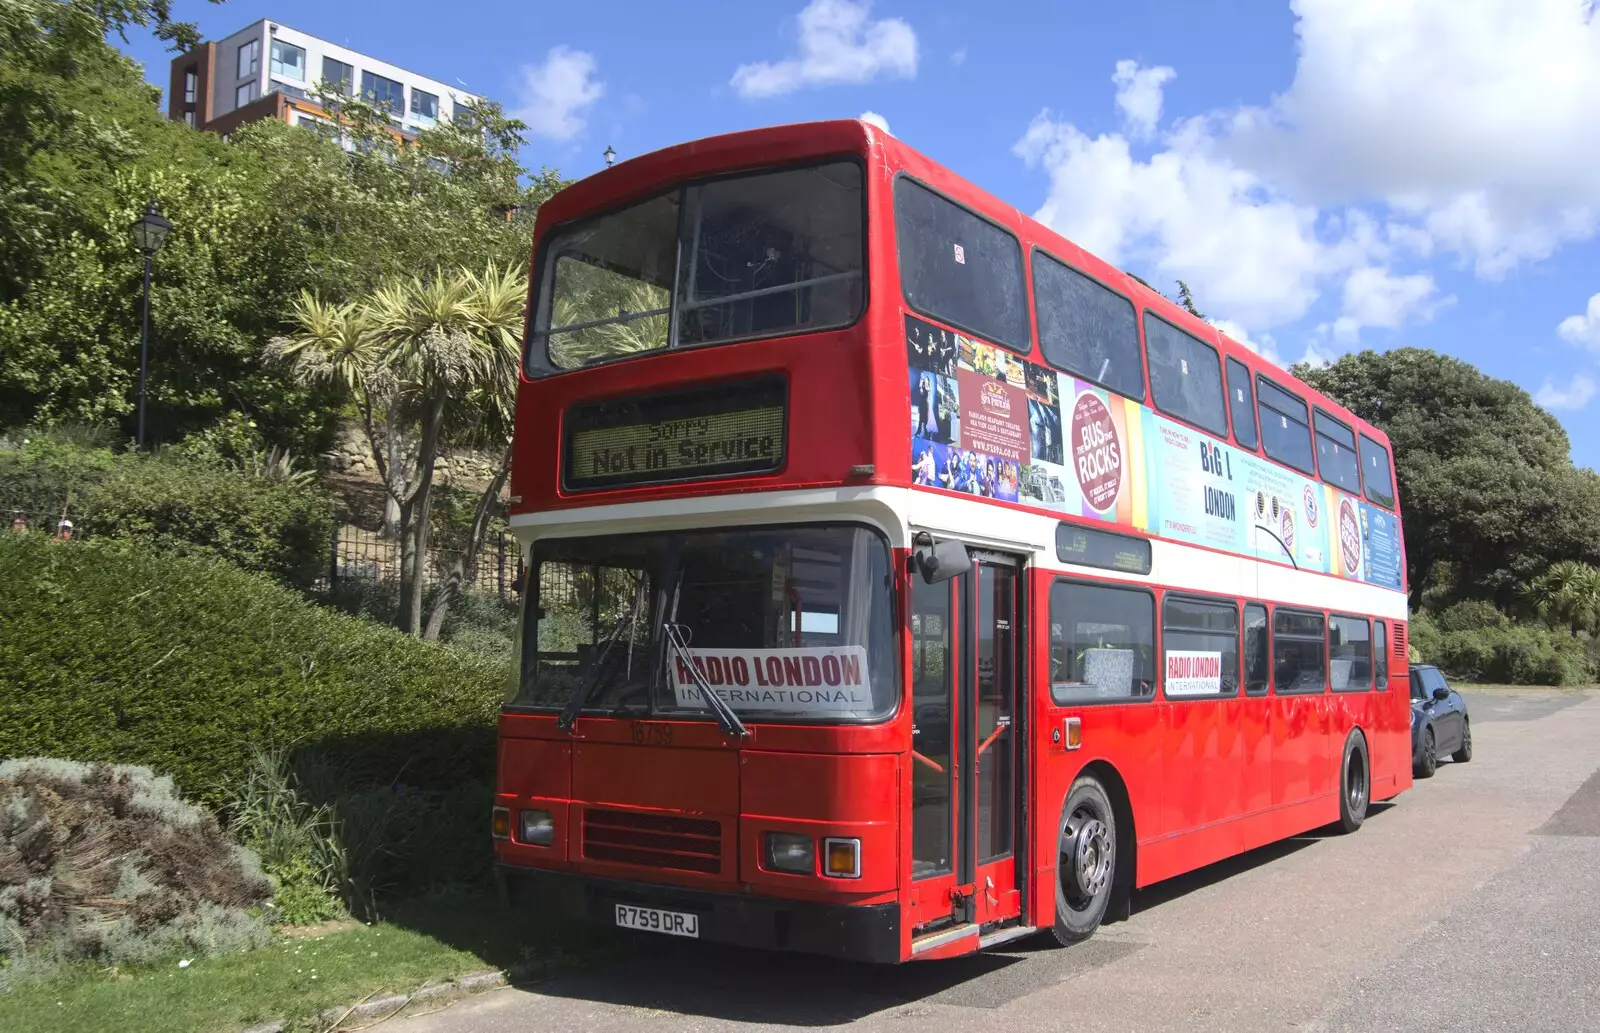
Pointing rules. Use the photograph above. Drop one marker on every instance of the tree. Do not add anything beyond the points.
(485, 417)
(1568, 593)
(1489, 496)
(1186, 299)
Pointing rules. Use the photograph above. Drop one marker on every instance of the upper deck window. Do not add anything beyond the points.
(752, 256)
(1185, 376)
(1375, 472)
(1242, 405)
(1336, 453)
(1285, 426)
(960, 268)
(1086, 329)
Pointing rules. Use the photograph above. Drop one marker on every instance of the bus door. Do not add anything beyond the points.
(966, 768)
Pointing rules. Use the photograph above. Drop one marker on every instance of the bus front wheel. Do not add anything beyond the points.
(1086, 861)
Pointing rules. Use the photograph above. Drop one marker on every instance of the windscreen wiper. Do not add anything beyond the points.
(731, 725)
(580, 698)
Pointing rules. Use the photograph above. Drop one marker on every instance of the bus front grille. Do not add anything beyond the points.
(653, 840)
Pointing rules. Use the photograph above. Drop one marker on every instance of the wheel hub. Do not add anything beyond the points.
(1090, 852)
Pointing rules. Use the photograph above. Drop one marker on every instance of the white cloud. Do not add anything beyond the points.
(1264, 345)
(1417, 131)
(554, 97)
(1575, 395)
(959, 57)
(839, 43)
(1139, 95)
(1375, 297)
(1474, 120)
(1188, 213)
(1584, 328)
(873, 118)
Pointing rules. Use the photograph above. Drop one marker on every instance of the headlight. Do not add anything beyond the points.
(787, 852)
(537, 828)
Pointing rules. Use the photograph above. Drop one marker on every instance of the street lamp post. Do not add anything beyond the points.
(609, 155)
(148, 233)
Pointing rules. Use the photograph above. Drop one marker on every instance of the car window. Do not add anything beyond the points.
(1417, 691)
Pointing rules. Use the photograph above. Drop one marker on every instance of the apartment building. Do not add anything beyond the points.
(269, 70)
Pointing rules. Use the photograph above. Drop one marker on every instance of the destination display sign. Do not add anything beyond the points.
(708, 432)
(1094, 548)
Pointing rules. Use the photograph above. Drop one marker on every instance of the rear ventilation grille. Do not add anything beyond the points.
(1402, 654)
(653, 840)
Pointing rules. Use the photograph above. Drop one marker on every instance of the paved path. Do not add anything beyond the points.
(1473, 903)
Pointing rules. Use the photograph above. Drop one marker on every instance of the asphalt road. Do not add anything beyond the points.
(1473, 902)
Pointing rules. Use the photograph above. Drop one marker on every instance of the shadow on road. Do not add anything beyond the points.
(791, 989)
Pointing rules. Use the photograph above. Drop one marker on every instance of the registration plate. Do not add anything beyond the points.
(653, 920)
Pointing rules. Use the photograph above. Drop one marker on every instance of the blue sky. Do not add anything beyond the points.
(1327, 175)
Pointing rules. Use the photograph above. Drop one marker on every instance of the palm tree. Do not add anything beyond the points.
(485, 415)
(336, 346)
(1568, 593)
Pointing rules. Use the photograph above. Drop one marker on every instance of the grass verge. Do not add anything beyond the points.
(297, 976)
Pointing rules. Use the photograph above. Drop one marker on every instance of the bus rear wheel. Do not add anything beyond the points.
(1086, 861)
(1355, 784)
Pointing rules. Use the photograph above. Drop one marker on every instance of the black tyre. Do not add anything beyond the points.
(1086, 861)
(1464, 754)
(1355, 783)
(1428, 760)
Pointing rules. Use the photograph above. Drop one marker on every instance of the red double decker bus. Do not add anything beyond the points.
(902, 579)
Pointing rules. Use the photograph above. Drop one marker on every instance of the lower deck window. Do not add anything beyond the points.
(1299, 652)
(1349, 654)
(1102, 643)
(1199, 648)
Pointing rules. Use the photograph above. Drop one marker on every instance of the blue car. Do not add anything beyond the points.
(1439, 721)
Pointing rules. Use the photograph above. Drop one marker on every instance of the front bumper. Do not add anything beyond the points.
(854, 933)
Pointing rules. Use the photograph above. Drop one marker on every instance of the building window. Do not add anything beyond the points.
(288, 60)
(244, 94)
(424, 105)
(1102, 643)
(384, 93)
(188, 116)
(960, 268)
(1200, 648)
(1185, 376)
(281, 87)
(340, 76)
(191, 83)
(1087, 329)
(249, 59)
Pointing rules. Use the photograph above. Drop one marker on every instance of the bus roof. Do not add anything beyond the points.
(647, 174)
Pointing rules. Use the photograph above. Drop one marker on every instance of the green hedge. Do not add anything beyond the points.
(1475, 641)
(280, 529)
(182, 500)
(113, 652)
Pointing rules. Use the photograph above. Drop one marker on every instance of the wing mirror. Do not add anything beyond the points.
(1441, 693)
(940, 561)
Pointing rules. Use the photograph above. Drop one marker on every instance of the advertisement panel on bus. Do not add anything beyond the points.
(987, 422)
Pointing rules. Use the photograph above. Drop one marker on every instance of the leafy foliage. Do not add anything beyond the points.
(1472, 640)
(183, 664)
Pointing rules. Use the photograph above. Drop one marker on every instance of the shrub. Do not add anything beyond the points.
(182, 663)
(279, 528)
(109, 864)
(209, 495)
(1473, 640)
(295, 841)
